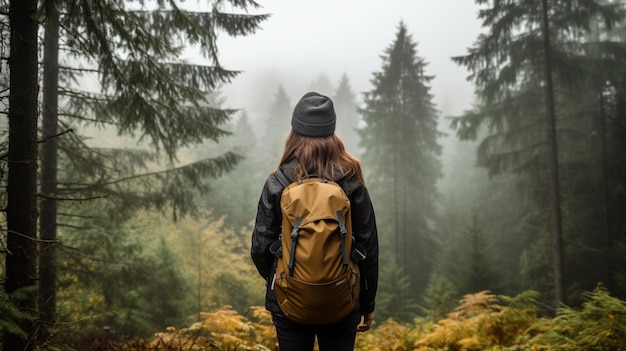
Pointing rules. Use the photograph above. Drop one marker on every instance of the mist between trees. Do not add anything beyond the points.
(148, 182)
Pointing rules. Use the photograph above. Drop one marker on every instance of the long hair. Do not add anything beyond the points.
(321, 156)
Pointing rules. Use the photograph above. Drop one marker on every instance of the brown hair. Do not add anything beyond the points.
(321, 156)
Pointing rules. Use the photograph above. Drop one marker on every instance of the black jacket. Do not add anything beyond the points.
(268, 227)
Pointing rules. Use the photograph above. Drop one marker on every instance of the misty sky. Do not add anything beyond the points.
(303, 39)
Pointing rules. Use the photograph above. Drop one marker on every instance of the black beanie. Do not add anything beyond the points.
(314, 116)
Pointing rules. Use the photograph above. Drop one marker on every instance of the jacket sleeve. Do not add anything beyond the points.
(266, 228)
(366, 233)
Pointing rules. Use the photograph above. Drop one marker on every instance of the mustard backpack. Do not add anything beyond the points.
(316, 281)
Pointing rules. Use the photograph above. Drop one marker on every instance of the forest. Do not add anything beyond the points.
(130, 187)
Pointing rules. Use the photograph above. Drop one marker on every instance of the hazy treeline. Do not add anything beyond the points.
(156, 179)
(488, 223)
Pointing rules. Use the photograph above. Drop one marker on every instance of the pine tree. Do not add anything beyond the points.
(395, 298)
(322, 85)
(469, 260)
(401, 156)
(166, 292)
(21, 208)
(613, 129)
(145, 90)
(347, 115)
(440, 297)
(237, 200)
(595, 229)
(48, 187)
(277, 126)
(524, 68)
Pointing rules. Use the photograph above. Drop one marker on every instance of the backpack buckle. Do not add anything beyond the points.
(276, 248)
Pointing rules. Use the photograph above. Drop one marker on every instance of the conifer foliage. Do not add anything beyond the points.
(116, 66)
(347, 115)
(536, 73)
(401, 156)
(277, 126)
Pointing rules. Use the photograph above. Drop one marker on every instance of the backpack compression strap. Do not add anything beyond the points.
(294, 239)
(343, 233)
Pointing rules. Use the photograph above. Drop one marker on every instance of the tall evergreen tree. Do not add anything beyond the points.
(395, 298)
(322, 85)
(401, 156)
(556, 227)
(144, 89)
(21, 209)
(49, 177)
(347, 115)
(277, 127)
(236, 200)
(596, 230)
(495, 201)
(524, 69)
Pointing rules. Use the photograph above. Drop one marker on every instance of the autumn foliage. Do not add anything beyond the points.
(481, 321)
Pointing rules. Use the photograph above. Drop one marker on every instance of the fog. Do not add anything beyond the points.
(146, 221)
(304, 39)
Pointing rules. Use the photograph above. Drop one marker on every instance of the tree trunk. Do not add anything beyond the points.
(606, 240)
(21, 268)
(555, 191)
(605, 244)
(48, 187)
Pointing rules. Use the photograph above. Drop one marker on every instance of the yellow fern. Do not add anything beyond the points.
(482, 323)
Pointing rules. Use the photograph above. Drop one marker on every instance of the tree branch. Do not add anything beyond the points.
(54, 136)
(71, 199)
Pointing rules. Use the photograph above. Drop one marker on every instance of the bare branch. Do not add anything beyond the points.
(54, 136)
(32, 238)
(71, 199)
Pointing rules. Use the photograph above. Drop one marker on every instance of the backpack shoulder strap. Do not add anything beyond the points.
(282, 178)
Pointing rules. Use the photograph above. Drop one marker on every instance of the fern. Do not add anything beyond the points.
(481, 322)
(387, 336)
(599, 326)
(223, 329)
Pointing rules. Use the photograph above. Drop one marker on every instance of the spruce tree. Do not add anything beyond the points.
(401, 157)
(595, 229)
(612, 129)
(347, 115)
(395, 298)
(21, 207)
(235, 194)
(322, 85)
(144, 90)
(277, 124)
(440, 297)
(525, 69)
(48, 186)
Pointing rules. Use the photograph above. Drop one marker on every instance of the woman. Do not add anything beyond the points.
(312, 148)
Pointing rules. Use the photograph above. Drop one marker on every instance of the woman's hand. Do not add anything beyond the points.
(366, 321)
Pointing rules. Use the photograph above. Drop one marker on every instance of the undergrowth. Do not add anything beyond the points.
(481, 321)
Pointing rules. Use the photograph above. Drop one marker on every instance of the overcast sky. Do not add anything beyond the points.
(306, 38)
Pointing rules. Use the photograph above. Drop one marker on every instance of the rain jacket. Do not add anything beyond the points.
(267, 229)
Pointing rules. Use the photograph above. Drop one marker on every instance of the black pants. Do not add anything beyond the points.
(337, 336)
